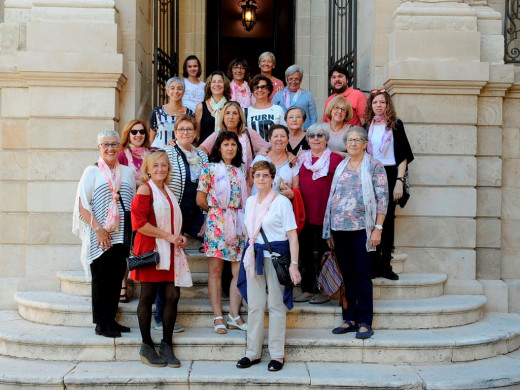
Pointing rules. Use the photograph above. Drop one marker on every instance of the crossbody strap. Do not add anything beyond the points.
(266, 241)
(250, 143)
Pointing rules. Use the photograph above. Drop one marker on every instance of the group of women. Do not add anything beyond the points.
(330, 184)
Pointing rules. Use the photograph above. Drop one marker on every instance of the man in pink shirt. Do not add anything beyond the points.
(339, 79)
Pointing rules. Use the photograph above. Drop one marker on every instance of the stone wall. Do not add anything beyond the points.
(61, 75)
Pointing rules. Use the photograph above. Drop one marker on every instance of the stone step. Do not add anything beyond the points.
(499, 372)
(56, 308)
(496, 334)
(409, 286)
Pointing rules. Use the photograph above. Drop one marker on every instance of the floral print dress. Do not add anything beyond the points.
(214, 240)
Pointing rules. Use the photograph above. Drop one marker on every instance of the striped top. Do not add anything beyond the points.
(178, 172)
(94, 191)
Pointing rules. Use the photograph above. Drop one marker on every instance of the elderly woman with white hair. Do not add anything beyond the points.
(104, 192)
(294, 95)
(162, 119)
(266, 63)
(316, 170)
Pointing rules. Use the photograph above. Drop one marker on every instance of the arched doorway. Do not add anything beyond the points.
(226, 38)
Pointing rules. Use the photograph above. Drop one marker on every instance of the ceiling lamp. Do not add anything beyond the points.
(249, 8)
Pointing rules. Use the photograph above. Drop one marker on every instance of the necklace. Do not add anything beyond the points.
(333, 130)
(352, 165)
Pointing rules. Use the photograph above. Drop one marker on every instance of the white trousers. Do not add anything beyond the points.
(257, 296)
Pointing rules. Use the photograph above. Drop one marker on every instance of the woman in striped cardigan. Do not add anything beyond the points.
(186, 162)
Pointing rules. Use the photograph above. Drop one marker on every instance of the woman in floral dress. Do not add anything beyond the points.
(222, 192)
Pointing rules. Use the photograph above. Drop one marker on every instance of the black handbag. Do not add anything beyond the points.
(281, 263)
(140, 261)
(127, 228)
(406, 191)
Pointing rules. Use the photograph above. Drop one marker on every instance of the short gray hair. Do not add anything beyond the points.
(317, 127)
(267, 54)
(108, 134)
(175, 80)
(293, 69)
(355, 129)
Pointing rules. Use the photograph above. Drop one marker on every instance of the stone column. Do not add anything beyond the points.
(192, 32)
(489, 152)
(60, 77)
(311, 47)
(435, 87)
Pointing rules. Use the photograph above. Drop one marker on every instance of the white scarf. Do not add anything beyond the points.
(161, 208)
(216, 110)
(320, 168)
(233, 221)
(193, 161)
(369, 197)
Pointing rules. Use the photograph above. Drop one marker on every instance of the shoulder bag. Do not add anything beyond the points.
(406, 191)
(127, 229)
(281, 263)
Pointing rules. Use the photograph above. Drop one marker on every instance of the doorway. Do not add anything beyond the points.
(226, 38)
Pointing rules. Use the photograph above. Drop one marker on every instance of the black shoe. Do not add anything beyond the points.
(106, 331)
(275, 365)
(150, 357)
(391, 275)
(121, 328)
(366, 334)
(342, 330)
(166, 352)
(245, 362)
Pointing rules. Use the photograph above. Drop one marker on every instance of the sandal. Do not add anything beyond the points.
(233, 324)
(275, 365)
(123, 298)
(245, 362)
(219, 328)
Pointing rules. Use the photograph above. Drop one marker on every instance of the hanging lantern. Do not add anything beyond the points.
(249, 8)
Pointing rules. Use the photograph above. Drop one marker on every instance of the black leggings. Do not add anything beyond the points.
(144, 310)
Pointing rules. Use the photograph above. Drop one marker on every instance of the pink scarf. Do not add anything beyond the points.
(320, 168)
(253, 225)
(388, 136)
(161, 209)
(287, 102)
(241, 93)
(113, 179)
(141, 152)
(233, 220)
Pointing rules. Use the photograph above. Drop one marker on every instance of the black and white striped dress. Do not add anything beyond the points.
(94, 191)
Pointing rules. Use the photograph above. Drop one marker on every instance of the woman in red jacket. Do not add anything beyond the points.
(158, 220)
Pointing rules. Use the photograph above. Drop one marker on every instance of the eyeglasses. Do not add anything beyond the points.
(294, 117)
(134, 132)
(261, 175)
(338, 108)
(238, 67)
(187, 130)
(293, 80)
(263, 86)
(107, 146)
(316, 135)
(378, 91)
(354, 141)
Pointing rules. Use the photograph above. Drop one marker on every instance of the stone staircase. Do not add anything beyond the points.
(424, 339)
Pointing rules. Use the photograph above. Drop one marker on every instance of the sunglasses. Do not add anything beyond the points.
(316, 135)
(134, 132)
(378, 91)
(261, 87)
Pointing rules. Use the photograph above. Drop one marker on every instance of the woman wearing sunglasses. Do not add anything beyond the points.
(387, 142)
(316, 169)
(135, 144)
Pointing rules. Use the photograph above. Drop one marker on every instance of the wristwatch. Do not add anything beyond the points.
(380, 227)
(97, 229)
(401, 179)
(294, 262)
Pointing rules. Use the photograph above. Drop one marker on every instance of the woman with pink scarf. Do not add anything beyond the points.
(258, 281)
(157, 217)
(317, 167)
(222, 193)
(135, 144)
(387, 142)
(105, 190)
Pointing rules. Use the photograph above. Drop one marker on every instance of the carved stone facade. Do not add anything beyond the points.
(70, 68)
